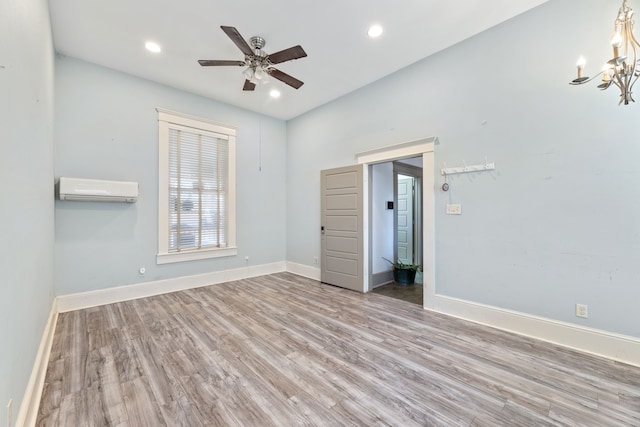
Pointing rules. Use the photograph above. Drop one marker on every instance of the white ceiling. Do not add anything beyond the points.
(341, 57)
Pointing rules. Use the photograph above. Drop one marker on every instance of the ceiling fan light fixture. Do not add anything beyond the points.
(275, 93)
(248, 73)
(260, 73)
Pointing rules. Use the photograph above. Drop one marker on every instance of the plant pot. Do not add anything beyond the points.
(404, 276)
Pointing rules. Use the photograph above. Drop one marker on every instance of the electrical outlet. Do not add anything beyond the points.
(315, 260)
(454, 209)
(582, 310)
(141, 271)
(9, 412)
(246, 260)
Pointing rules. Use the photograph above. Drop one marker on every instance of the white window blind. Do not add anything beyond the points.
(197, 189)
(196, 212)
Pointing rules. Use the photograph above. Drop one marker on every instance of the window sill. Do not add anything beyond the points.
(194, 255)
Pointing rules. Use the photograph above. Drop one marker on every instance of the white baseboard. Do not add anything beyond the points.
(601, 343)
(28, 413)
(142, 290)
(304, 270)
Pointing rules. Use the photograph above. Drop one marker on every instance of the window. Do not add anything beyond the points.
(196, 198)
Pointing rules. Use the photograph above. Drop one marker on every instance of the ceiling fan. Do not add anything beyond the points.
(259, 64)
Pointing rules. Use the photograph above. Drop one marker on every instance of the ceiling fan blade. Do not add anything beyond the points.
(285, 78)
(248, 85)
(295, 52)
(217, 63)
(235, 37)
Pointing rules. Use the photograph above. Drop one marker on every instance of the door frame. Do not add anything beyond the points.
(424, 147)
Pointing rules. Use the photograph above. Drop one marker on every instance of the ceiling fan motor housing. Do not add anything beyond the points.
(257, 42)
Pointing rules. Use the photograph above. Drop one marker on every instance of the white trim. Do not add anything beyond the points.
(425, 148)
(28, 413)
(598, 342)
(170, 119)
(366, 241)
(307, 271)
(428, 230)
(398, 151)
(193, 121)
(195, 255)
(142, 290)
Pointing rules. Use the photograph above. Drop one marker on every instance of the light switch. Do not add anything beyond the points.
(454, 209)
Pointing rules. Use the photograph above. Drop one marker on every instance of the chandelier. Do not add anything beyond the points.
(622, 70)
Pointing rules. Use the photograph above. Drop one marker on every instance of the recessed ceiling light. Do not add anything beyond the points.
(153, 47)
(374, 31)
(275, 93)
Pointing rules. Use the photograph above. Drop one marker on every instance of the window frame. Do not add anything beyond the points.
(166, 119)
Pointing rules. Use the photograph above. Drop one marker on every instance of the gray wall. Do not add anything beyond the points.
(106, 127)
(558, 222)
(26, 162)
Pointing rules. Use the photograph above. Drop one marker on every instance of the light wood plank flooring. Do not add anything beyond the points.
(410, 293)
(282, 350)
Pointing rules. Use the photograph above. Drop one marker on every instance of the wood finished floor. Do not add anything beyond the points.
(282, 350)
(409, 293)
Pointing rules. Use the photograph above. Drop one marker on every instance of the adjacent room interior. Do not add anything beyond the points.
(396, 227)
(265, 166)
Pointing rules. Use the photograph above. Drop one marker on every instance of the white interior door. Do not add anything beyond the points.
(404, 212)
(342, 209)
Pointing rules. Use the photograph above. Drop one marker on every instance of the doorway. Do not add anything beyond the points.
(422, 154)
(367, 160)
(397, 235)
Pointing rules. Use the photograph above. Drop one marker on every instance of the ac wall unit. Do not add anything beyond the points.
(97, 190)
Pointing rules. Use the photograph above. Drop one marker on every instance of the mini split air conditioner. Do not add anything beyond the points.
(97, 190)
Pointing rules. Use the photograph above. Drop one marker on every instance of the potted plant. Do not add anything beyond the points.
(404, 274)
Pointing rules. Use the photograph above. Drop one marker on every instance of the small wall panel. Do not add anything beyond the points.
(402, 253)
(341, 180)
(342, 223)
(342, 266)
(347, 245)
(342, 202)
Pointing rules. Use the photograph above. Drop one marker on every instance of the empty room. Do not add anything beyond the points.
(331, 213)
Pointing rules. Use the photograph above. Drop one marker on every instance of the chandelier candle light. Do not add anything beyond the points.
(622, 70)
